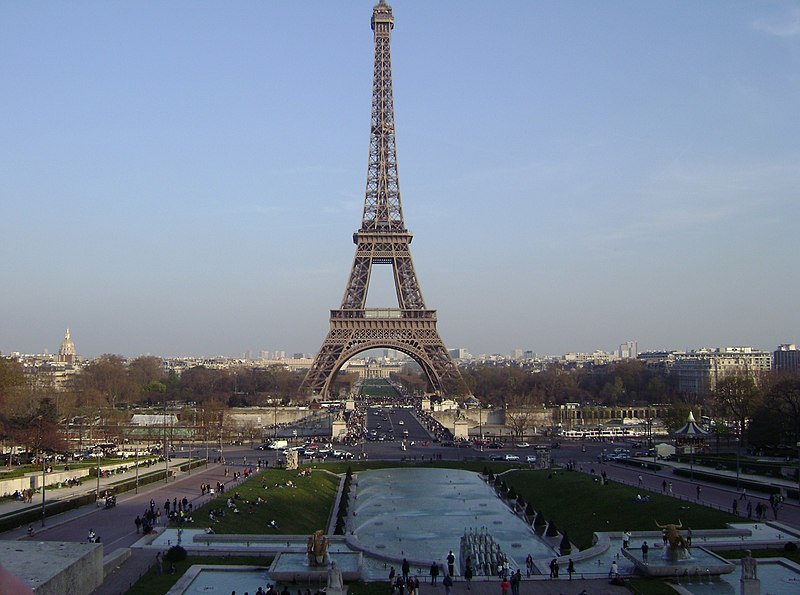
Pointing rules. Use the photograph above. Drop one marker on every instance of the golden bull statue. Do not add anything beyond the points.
(674, 538)
(317, 548)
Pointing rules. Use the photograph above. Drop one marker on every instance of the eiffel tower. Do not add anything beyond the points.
(383, 239)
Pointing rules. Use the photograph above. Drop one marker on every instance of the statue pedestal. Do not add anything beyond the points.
(749, 586)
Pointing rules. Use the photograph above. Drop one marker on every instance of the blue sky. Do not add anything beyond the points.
(183, 178)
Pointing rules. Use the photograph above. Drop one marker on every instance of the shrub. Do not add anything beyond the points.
(551, 530)
(790, 547)
(529, 511)
(175, 554)
(565, 547)
(539, 520)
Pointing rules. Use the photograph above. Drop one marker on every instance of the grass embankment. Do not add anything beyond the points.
(152, 583)
(579, 505)
(298, 510)
(789, 554)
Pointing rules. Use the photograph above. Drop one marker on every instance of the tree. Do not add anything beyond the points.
(778, 419)
(739, 397)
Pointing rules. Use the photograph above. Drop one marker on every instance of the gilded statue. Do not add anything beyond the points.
(317, 548)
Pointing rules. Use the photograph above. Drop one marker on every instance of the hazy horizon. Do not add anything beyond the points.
(184, 178)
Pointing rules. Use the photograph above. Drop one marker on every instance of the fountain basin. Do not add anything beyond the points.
(294, 567)
(701, 563)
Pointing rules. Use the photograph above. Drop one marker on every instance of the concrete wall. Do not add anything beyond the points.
(55, 567)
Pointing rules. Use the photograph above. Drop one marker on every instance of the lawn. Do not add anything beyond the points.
(579, 505)
(298, 510)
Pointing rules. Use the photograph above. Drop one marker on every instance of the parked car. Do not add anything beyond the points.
(511, 457)
(530, 459)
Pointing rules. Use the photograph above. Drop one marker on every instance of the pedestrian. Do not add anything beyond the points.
(645, 549)
(743, 494)
(689, 536)
(669, 488)
(391, 575)
(138, 522)
(749, 509)
(468, 576)
(448, 585)
(626, 539)
(159, 564)
(504, 586)
(514, 582)
(641, 482)
(614, 572)
(735, 507)
(697, 489)
(553, 564)
(451, 563)
(434, 572)
(664, 487)
(529, 565)
(416, 585)
(406, 568)
(570, 568)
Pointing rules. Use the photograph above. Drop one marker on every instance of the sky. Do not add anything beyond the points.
(184, 178)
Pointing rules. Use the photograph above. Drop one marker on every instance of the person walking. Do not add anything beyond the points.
(504, 586)
(406, 568)
(138, 522)
(434, 572)
(451, 563)
(570, 568)
(468, 576)
(529, 565)
(645, 549)
(159, 564)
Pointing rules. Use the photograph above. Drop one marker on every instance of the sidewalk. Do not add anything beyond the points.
(89, 486)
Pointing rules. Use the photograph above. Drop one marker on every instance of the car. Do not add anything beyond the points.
(511, 457)
(401, 423)
(522, 445)
(530, 459)
(495, 445)
(342, 454)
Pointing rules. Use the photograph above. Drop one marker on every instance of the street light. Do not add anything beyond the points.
(44, 483)
(737, 463)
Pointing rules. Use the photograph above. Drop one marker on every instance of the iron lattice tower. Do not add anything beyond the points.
(383, 239)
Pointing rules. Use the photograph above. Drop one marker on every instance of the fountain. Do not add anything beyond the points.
(677, 558)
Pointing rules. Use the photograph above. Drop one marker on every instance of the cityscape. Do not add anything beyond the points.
(586, 182)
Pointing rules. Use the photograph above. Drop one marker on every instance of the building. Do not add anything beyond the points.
(787, 358)
(66, 353)
(628, 350)
(699, 371)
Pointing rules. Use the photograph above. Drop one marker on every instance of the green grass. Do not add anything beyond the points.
(580, 506)
(774, 553)
(650, 586)
(297, 511)
(151, 583)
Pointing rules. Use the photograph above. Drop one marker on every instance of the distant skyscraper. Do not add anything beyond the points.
(787, 357)
(628, 350)
(66, 353)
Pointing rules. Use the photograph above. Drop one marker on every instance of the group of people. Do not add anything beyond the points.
(555, 568)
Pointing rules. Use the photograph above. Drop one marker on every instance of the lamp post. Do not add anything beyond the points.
(44, 483)
(97, 459)
(737, 464)
(136, 491)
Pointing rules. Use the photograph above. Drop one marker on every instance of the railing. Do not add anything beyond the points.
(383, 313)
